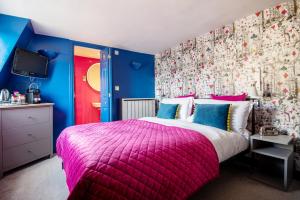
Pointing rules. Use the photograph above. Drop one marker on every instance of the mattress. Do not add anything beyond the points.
(227, 144)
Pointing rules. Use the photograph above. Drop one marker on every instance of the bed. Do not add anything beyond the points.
(147, 158)
(227, 144)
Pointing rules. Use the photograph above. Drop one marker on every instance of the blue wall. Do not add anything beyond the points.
(58, 87)
(14, 31)
(133, 83)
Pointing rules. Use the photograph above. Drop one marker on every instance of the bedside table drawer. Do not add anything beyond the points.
(21, 117)
(20, 155)
(18, 136)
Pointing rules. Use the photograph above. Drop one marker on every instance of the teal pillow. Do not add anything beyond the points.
(167, 111)
(215, 115)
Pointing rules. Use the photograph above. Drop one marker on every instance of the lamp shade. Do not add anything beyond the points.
(252, 91)
(136, 65)
(48, 53)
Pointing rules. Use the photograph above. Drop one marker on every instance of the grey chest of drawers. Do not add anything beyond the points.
(26, 134)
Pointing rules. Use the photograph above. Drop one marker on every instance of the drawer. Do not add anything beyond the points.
(13, 118)
(17, 156)
(18, 136)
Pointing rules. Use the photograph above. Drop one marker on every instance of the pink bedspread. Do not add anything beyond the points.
(135, 159)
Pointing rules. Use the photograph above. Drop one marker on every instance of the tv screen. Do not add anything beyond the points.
(27, 63)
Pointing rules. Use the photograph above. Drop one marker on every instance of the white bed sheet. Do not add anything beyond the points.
(227, 144)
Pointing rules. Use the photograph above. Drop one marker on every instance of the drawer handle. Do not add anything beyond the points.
(31, 152)
(29, 117)
(29, 134)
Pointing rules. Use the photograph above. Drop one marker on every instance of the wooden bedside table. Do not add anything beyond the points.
(279, 148)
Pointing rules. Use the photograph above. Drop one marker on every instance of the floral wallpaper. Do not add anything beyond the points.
(262, 48)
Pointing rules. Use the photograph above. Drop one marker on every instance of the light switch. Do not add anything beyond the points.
(117, 88)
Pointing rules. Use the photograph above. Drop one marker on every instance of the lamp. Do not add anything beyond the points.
(136, 65)
(252, 91)
(48, 53)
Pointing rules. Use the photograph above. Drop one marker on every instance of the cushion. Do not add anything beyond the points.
(241, 97)
(189, 95)
(184, 105)
(214, 115)
(190, 118)
(239, 113)
(167, 111)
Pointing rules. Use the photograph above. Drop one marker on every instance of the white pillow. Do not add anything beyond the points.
(185, 105)
(190, 118)
(239, 114)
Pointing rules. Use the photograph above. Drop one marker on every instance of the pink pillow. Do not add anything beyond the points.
(241, 97)
(189, 95)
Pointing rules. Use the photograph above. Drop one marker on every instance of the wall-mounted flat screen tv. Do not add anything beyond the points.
(27, 63)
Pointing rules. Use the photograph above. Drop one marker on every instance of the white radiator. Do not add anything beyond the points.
(136, 108)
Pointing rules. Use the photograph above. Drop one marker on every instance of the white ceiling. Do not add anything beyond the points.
(147, 26)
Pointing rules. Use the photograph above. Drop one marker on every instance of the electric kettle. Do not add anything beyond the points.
(4, 96)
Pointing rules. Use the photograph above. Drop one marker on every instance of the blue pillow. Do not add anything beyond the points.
(167, 111)
(215, 115)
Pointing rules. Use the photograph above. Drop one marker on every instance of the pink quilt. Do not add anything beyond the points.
(135, 159)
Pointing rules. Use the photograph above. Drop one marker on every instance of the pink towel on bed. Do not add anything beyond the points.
(135, 159)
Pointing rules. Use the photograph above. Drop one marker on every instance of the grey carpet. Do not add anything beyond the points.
(45, 180)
